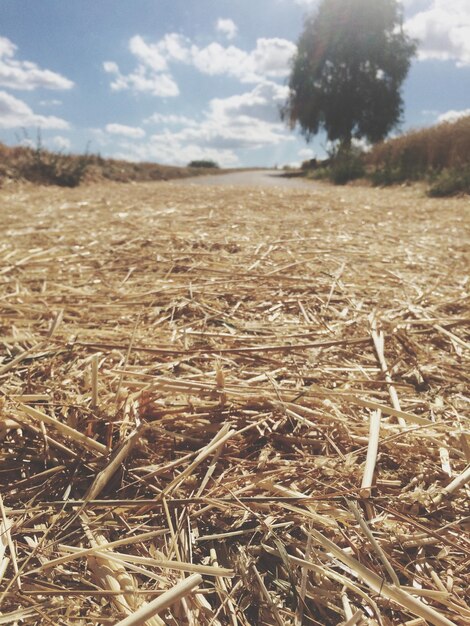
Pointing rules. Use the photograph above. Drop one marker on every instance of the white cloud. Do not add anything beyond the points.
(262, 102)
(216, 59)
(272, 57)
(227, 27)
(50, 103)
(148, 54)
(306, 153)
(60, 142)
(247, 121)
(225, 132)
(26, 75)
(443, 29)
(453, 116)
(126, 131)
(143, 79)
(172, 120)
(169, 149)
(362, 144)
(430, 113)
(269, 59)
(234, 133)
(15, 113)
(111, 67)
(306, 3)
(175, 47)
(151, 74)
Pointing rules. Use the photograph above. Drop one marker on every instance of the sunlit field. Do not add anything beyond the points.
(200, 382)
(234, 313)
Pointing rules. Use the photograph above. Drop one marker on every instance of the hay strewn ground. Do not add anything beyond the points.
(205, 371)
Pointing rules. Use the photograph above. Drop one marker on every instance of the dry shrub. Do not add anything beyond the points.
(45, 167)
(417, 153)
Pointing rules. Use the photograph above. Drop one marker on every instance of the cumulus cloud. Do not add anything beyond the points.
(244, 122)
(60, 142)
(227, 27)
(50, 103)
(262, 102)
(269, 59)
(453, 116)
(217, 59)
(171, 120)
(443, 30)
(223, 132)
(175, 47)
(233, 133)
(126, 131)
(306, 153)
(143, 79)
(151, 74)
(272, 57)
(148, 54)
(26, 75)
(15, 113)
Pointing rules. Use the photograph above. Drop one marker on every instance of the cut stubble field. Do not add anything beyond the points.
(261, 390)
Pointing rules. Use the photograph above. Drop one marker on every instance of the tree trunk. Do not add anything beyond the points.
(345, 145)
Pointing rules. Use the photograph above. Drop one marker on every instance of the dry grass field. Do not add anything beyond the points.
(260, 392)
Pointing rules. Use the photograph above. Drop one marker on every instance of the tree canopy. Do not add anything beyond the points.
(352, 58)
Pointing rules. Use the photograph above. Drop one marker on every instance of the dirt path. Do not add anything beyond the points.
(235, 349)
(253, 178)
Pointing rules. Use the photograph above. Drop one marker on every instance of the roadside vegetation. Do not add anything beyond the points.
(204, 163)
(44, 167)
(439, 156)
(346, 80)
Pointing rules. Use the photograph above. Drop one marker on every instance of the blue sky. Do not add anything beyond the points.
(176, 80)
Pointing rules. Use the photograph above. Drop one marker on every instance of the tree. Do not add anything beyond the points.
(203, 163)
(352, 58)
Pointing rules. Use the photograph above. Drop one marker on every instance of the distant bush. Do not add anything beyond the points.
(340, 168)
(321, 173)
(451, 182)
(346, 166)
(203, 163)
(53, 168)
(310, 164)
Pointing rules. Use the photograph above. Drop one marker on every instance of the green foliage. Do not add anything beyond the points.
(347, 74)
(341, 167)
(346, 166)
(387, 175)
(451, 182)
(203, 163)
(322, 173)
